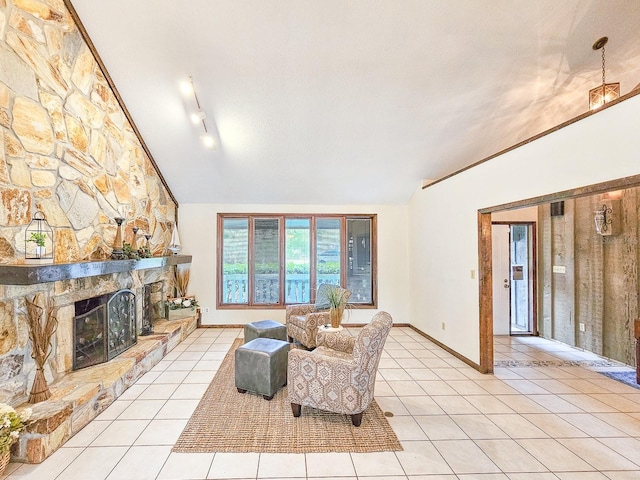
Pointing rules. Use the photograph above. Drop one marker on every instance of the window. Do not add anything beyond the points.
(268, 261)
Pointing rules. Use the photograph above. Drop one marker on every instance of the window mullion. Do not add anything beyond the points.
(343, 251)
(282, 230)
(250, 266)
(312, 260)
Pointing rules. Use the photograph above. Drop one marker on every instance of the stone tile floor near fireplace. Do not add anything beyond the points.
(546, 415)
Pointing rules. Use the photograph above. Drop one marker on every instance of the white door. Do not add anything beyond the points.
(501, 276)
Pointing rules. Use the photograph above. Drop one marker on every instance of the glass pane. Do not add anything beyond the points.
(266, 260)
(519, 278)
(235, 260)
(328, 251)
(359, 260)
(298, 258)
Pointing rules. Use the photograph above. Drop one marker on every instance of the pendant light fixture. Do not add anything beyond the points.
(607, 91)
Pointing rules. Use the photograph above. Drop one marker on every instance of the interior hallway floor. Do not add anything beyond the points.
(545, 414)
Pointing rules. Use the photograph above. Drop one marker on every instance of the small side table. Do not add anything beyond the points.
(329, 328)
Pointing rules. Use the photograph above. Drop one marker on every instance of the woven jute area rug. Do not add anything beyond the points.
(228, 421)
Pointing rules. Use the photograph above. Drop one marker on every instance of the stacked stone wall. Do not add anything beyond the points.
(68, 150)
(66, 147)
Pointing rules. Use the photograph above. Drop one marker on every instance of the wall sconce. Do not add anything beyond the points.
(38, 240)
(602, 218)
(607, 218)
(199, 116)
(607, 91)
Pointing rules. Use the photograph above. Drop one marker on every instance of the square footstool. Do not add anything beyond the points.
(264, 329)
(261, 366)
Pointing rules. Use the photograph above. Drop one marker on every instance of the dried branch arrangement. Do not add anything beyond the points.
(40, 332)
(181, 280)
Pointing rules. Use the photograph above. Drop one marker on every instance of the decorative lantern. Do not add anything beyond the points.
(38, 239)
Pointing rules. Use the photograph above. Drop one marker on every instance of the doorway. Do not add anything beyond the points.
(514, 278)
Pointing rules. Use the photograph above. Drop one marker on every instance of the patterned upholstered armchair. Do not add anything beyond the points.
(303, 320)
(339, 375)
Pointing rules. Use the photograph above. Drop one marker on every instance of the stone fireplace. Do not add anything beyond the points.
(103, 328)
(97, 349)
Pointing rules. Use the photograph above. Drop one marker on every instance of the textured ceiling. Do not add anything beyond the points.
(351, 102)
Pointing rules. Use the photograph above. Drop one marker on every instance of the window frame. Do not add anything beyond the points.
(250, 217)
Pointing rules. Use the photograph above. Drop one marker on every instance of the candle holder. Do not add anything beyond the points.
(134, 241)
(118, 253)
(145, 251)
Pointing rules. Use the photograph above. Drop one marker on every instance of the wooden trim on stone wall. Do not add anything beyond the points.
(536, 137)
(116, 93)
(485, 290)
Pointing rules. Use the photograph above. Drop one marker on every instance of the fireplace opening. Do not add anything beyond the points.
(103, 328)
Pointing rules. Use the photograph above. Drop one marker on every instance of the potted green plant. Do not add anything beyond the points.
(337, 298)
(39, 238)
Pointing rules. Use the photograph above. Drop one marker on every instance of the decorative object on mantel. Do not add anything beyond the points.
(117, 253)
(40, 333)
(607, 91)
(134, 240)
(145, 251)
(11, 424)
(129, 252)
(38, 240)
(174, 244)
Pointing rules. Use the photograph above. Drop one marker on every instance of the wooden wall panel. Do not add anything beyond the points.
(545, 278)
(562, 255)
(600, 286)
(589, 276)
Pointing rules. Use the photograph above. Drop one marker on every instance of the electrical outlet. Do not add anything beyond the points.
(206, 309)
(582, 327)
(473, 274)
(443, 325)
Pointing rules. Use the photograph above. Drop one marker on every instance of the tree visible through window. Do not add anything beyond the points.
(273, 260)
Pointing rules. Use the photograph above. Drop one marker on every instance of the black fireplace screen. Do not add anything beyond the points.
(104, 327)
(89, 338)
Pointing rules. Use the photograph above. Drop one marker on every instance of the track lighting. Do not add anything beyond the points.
(198, 116)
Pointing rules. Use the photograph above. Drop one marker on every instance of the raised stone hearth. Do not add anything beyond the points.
(80, 396)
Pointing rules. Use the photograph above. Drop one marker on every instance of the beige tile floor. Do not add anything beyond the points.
(527, 421)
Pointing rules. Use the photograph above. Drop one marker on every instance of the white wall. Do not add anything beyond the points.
(443, 218)
(197, 227)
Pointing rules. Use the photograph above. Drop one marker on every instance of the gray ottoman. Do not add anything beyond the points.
(265, 329)
(261, 366)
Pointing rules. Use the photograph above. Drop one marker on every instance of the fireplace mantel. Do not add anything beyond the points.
(43, 273)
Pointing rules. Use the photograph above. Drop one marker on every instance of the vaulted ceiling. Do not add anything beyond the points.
(351, 101)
